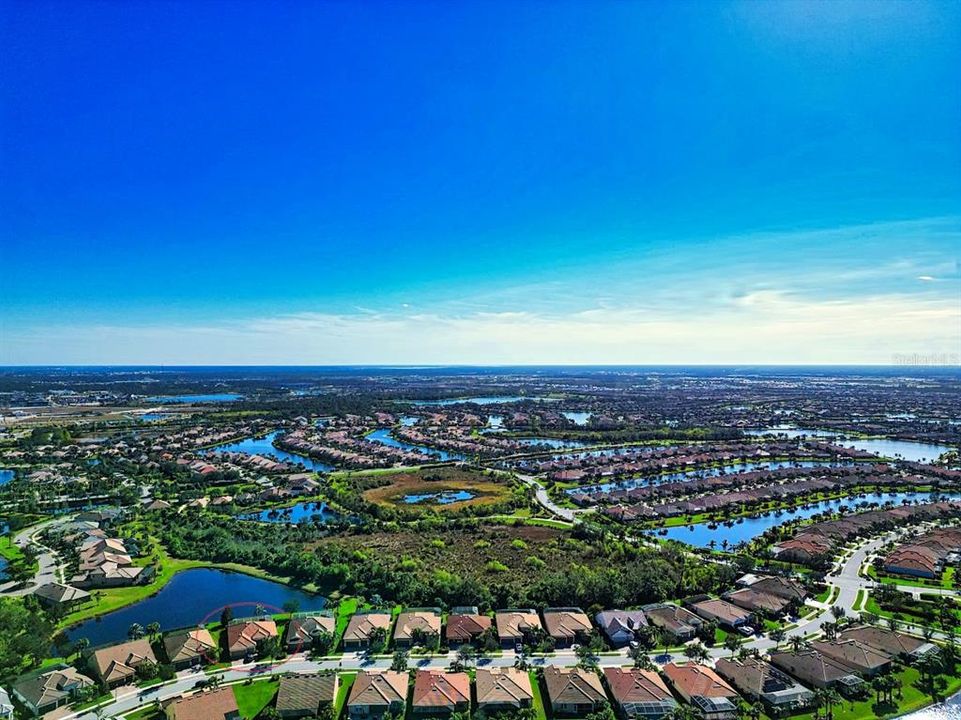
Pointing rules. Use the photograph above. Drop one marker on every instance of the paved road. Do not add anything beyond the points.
(542, 497)
(48, 570)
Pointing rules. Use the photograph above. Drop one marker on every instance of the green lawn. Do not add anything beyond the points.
(253, 698)
(9, 550)
(343, 691)
(538, 705)
(911, 699)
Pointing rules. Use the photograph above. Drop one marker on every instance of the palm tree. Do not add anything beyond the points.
(796, 642)
(153, 629)
(135, 632)
(696, 652)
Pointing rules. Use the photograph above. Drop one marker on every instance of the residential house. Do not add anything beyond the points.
(362, 626)
(502, 689)
(466, 627)
(677, 621)
(723, 613)
(862, 659)
(6, 706)
(567, 626)
(815, 670)
(305, 627)
(376, 693)
(117, 664)
(58, 595)
(760, 680)
(189, 647)
(47, 691)
(757, 602)
(706, 691)
(888, 642)
(780, 586)
(639, 693)
(913, 560)
(804, 549)
(513, 625)
(217, 704)
(302, 696)
(417, 627)
(620, 626)
(244, 637)
(573, 691)
(440, 693)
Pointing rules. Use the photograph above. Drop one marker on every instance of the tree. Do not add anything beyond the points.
(135, 631)
(399, 662)
(732, 642)
(777, 635)
(291, 606)
(796, 642)
(696, 652)
(377, 641)
(153, 629)
(586, 657)
(226, 616)
(642, 660)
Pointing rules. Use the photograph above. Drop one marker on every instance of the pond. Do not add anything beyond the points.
(909, 450)
(492, 400)
(445, 497)
(791, 432)
(192, 597)
(705, 473)
(746, 529)
(950, 709)
(385, 437)
(294, 513)
(3, 568)
(408, 420)
(579, 418)
(553, 442)
(264, 446)
(156, 416)
(6, 475)
(198, 398)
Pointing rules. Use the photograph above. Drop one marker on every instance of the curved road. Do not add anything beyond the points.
(48, 570)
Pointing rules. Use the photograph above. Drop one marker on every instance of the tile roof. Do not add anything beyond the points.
(436, 688)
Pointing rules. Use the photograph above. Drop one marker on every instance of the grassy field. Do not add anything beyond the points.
(343, 691)
(253, 698)
(538, 704)
(9, 551)
(911, 699)
(486, 490)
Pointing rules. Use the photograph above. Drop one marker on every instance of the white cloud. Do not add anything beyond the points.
(767, 326)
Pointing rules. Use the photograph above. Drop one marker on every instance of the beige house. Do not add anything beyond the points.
(502, 689)
(422, 625)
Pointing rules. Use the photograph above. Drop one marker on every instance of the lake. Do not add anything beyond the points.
(199, 398)
(264, 447)
(156, 416)
(385, 437)
(192, 597)
(579, 418)
(493, 400)
(950, 709)
(293, 514)
(447, 497)
(706, 472)
(553, 442)
(909, 450)
(6, 475)
(746, 529)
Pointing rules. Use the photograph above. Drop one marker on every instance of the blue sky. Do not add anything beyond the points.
(437, 182)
